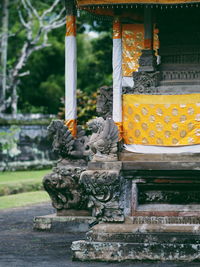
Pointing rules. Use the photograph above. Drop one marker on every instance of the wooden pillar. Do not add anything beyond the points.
(70, 67)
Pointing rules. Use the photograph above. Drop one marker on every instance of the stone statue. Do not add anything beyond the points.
(62, 184)
(64, 189)
(103, 142)
(105, 102)
(64, 144)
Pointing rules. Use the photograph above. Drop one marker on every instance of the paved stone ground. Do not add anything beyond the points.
(21, 246)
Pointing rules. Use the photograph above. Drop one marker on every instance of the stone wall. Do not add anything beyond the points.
(24, 143)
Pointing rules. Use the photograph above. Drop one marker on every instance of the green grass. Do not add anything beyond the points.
(21, 181)
(23, 199)
(22, 176)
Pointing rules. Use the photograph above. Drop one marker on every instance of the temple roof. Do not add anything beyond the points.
(113, 2)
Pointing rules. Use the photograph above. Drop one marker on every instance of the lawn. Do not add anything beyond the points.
(23, 199)
(22, 188)
(22, 176)
(21, 181)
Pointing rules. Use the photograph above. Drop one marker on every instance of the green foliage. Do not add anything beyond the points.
(8, 141)
(41, 91)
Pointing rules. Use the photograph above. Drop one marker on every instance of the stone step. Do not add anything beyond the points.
(182, 157)
(157, 237)
(146, 228)
(123, 251)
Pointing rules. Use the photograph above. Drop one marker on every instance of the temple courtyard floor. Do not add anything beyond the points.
(20, 245)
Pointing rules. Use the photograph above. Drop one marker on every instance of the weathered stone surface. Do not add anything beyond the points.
(62, 184)
(64, 144)
(104, 189)
(118, 251)
(145, 82)
(105, 102)
(63, 224)
(104, 139)
(24, 142)
(64, 188)
(119, 242)
(147, 61)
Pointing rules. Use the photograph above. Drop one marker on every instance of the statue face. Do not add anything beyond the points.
(93, 127)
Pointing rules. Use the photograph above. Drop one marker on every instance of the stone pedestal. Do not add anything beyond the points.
(159, 204)
(120, 242)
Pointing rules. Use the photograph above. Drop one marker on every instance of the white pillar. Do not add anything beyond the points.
(70, 74)
(117, 74)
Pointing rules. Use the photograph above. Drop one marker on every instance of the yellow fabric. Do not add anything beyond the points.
(70, 25)
(163, 120)
(107, 2)
(71, 124)
(132, 44)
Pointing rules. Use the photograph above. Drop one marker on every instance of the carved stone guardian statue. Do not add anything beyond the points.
(62, 185)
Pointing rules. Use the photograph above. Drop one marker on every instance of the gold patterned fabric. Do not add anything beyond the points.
(162, 120)
(107, 2)
(132, 44)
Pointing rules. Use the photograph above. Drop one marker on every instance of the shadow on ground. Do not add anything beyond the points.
(21, 246)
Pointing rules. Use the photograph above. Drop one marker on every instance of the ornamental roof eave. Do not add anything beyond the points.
(118, 2)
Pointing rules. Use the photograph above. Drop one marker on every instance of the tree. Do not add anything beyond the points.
(36, 26)
(4, 48)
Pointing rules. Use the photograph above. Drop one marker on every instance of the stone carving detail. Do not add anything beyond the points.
(145, 82)
(180, 75)
(62, 184)
(103, 190)
(105, 102)
(147, 61)
(64, 143)
(64, 189)
(104, 139)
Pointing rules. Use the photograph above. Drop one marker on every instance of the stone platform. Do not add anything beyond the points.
(63, 224)
(127, 241)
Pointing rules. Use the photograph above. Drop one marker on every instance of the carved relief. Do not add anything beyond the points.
(103, 189)
(64, 143)
(145, 82)
(105, 102)
(62, 184)
(104, 139)
(64, 189)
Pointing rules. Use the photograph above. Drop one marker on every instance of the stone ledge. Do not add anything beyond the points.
(145, 228)
(121, 251)
(56, 223)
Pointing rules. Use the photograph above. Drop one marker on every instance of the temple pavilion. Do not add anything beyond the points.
(156, 71)
(147, 203)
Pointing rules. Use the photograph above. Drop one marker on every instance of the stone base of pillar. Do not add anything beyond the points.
(147, 61)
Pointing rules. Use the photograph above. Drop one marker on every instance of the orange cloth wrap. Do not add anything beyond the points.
(70, 25)
(120, 129)
(71, 124)
(117, 30)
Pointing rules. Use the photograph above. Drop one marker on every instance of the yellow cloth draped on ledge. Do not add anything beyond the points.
(163, 120)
